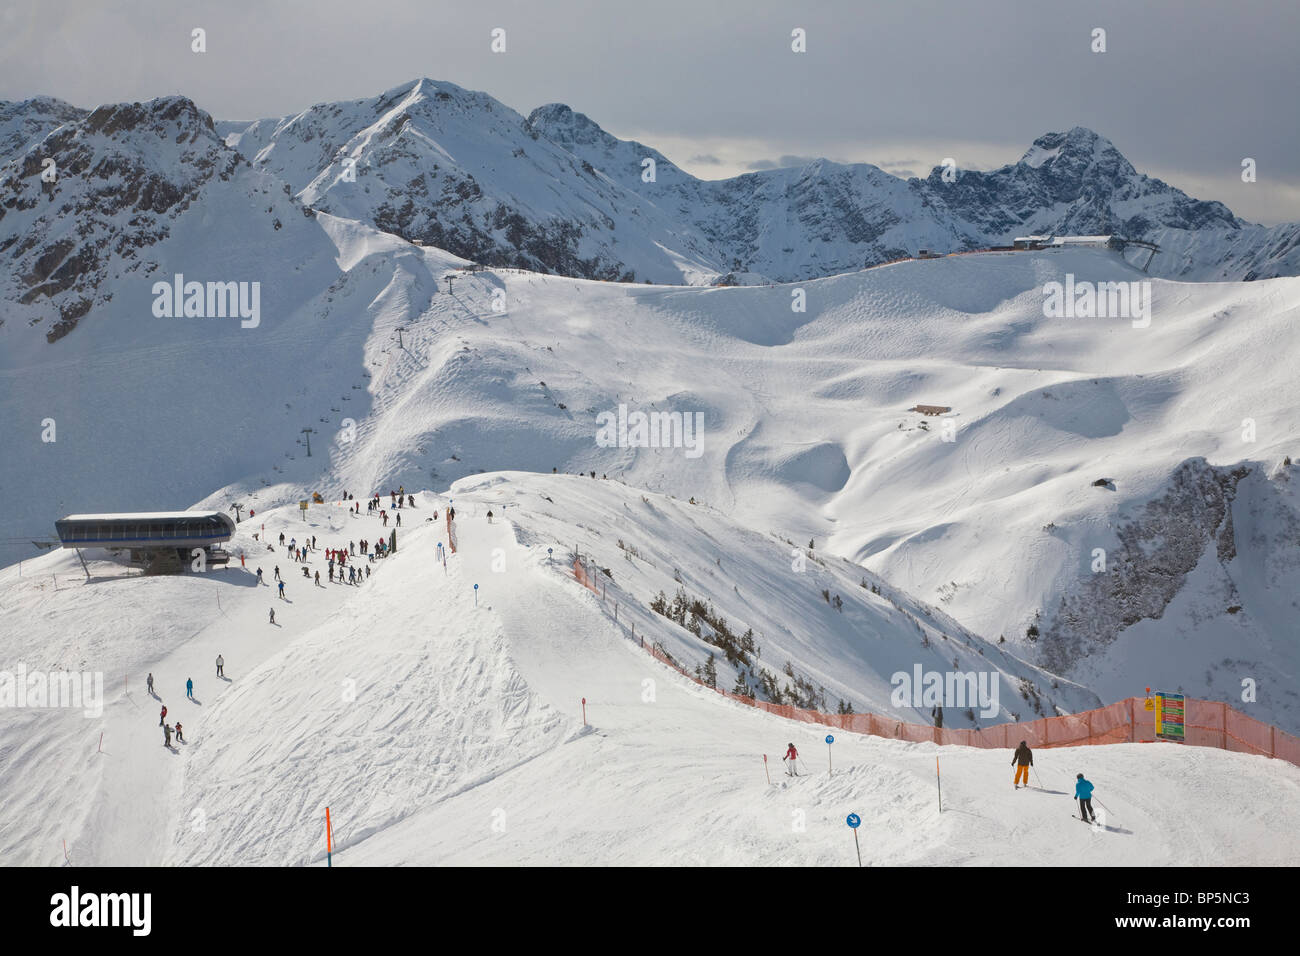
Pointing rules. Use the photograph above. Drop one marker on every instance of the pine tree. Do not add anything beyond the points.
(710, 672)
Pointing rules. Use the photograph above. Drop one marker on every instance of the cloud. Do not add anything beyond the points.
(705, 159)
(783, 162)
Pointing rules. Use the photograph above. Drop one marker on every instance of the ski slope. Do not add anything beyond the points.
(438, 731)
(807, 433)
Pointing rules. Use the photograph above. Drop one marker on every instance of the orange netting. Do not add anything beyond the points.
(451, 533)
(584, 576)
(1208, 723)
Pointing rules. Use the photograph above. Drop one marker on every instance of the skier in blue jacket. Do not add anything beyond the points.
(1083, 793)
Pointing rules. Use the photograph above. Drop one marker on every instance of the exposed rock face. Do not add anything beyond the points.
(1157, 549)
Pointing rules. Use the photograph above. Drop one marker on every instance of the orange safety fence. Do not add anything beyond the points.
(584, 576)
(1207, 723)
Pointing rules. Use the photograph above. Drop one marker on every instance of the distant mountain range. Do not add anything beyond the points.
(439, 165)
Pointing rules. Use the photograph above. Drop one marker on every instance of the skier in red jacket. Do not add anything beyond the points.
(791, 755)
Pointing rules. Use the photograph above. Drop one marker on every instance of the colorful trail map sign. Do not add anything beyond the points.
(1170, 716)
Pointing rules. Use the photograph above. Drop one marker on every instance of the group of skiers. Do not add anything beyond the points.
(189, 693)
(339, 558)
(1022, 760)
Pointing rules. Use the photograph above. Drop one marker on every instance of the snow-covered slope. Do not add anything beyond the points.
(806, 432)
(415, 709)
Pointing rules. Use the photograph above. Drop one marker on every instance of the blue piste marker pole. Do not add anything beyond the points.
(830, 739)
(476, 595)
(548, 555)
(854, 821)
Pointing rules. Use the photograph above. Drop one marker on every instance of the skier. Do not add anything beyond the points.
(179, 736)
(272, 615)
(791, 755)
(259, 576)
(282, 537)
(162, 715)
(281, 590)
(367, 571)
(1083, 793)
(189, 688)
(1023, 758)
(399, 519)
(149, 683)
(221, 666)
(277, 572)
(410, 500)
(313, 542)
(489, 517)
(317, 579)
(167, 735)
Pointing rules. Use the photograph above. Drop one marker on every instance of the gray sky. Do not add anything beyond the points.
(1186, 88)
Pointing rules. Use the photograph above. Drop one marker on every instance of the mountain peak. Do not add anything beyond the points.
(566, 127)
(179, 110)
(1078, 147)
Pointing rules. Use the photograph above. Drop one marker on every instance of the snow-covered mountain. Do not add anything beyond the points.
(1105, 506)
(447, 167)
(444, 166)
(125, 180)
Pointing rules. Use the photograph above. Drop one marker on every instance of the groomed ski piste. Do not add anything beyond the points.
(441, 728)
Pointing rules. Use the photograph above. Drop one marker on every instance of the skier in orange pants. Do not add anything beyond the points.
(1023, 758)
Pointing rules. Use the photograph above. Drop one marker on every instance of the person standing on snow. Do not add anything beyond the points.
(1023, 759)
(1083, 793)
(189, 688)
(281, 590)
(167, 735)
(489, 517)
(272, 615)
(259, 576)
(149, 682)
(399, 519)
(221, 666)
(179, 736)
(277, 572)
(162, 715)
(317, 579)
(792, 756)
